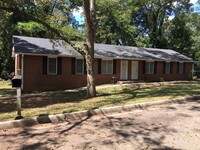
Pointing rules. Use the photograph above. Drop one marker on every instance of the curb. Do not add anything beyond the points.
(88, 113)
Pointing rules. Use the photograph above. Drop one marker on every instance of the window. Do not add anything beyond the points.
(167, 68)
(149, 67)
(180, 68)
(79, 66)
(106, 66)
(52, 65)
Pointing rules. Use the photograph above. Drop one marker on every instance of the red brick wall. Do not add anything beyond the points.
(167, 77)
(34, 79)
(106, 78)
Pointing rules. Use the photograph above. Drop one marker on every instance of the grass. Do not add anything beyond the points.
(5, 84)
(6, 89)
(110, 96)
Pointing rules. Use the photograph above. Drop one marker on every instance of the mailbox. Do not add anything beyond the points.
(17, 81)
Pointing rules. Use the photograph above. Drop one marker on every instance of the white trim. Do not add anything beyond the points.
(16, 55)
(98, 57)
(79, 57)
(48, 65)
(107, 58)
(76, 66)
(149, 60)
(49, 55)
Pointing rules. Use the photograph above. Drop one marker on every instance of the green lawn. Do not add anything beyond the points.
(6, 89)
(5, 84)
(110, 96)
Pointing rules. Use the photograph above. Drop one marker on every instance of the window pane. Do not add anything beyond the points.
(103, 66)
(147, 67)
(107, 66)
(180, 68)
(79, 66)
(167, 68)
(151, 67)
(52, 65)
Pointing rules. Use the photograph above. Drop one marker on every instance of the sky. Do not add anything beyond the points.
(193, 1)
(79, 17)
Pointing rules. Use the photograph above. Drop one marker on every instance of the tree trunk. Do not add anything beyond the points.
(89, 16)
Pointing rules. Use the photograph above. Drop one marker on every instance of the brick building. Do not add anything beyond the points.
(52, 64)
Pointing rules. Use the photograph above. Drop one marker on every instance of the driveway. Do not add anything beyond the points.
(171, 126)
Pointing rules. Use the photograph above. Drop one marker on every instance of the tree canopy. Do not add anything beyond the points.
(170, 24)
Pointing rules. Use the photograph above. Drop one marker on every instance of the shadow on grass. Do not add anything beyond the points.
(8, 105)
(109, 131)
(5, 92)
(106, 97)
(133, 93)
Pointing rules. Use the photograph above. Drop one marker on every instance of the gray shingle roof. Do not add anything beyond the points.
(30, 45)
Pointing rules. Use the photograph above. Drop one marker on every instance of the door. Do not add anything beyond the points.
(134, 70)
(124, 70)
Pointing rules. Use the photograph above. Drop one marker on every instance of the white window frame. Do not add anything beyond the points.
(180, 69)
(82, 66)
(49, 73)
(167, 71)
(106, 70)
(148, 71)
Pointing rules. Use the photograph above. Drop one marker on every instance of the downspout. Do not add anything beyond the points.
(22, 71)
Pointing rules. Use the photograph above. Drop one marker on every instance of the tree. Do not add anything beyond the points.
(194, 24)
(114, 21)
(89, 15)
(39, 11)
(180, 34)
(6, 30)
(152, 15)
(30, 29)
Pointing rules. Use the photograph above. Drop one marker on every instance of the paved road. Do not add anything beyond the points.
(172, 126)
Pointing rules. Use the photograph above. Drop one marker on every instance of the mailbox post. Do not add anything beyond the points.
(19, 107)
(16, 83)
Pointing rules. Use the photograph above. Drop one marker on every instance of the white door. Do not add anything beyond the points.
(124, 70)
(134, 70)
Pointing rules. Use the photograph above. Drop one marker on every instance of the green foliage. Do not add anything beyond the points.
(142, 23)
(151, 17)
(31, 18)
(180, 35)
(114, 21)
(30, 29)
(6, 30)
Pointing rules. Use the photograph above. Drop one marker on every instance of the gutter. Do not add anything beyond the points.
(99, 57)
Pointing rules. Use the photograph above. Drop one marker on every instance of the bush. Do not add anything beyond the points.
(4, 75)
